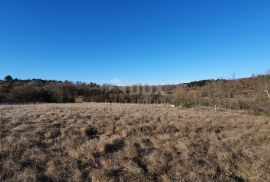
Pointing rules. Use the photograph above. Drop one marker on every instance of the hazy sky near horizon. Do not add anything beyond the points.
(134, 41)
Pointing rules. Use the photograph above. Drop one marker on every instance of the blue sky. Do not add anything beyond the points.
(136, 41)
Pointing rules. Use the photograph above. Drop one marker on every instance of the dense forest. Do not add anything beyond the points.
(246, 93)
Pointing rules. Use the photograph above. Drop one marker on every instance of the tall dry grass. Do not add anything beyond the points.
(97, 142)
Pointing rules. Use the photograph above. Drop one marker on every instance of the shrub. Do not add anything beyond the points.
(184, 101)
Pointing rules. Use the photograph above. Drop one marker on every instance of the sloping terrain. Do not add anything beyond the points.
(113, 142)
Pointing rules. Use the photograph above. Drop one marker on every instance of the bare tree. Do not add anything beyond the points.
(267, 91)
(267, 84)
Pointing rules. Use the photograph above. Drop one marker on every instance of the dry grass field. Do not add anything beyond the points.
(98, 142)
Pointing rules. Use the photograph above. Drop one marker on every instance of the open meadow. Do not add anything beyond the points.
(128, 142)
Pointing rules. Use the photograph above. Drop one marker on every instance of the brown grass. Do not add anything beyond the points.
(97, 142)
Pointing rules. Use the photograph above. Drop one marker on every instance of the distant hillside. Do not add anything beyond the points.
(246, 93)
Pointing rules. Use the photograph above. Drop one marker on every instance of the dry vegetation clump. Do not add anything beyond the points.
(113, 142)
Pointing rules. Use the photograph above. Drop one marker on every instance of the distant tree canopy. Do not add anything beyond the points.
(200, 83)
(248, 93)
(8, 78)
(46, 91)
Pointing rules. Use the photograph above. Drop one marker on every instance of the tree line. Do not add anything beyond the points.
(247, 93)
(52, 91)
